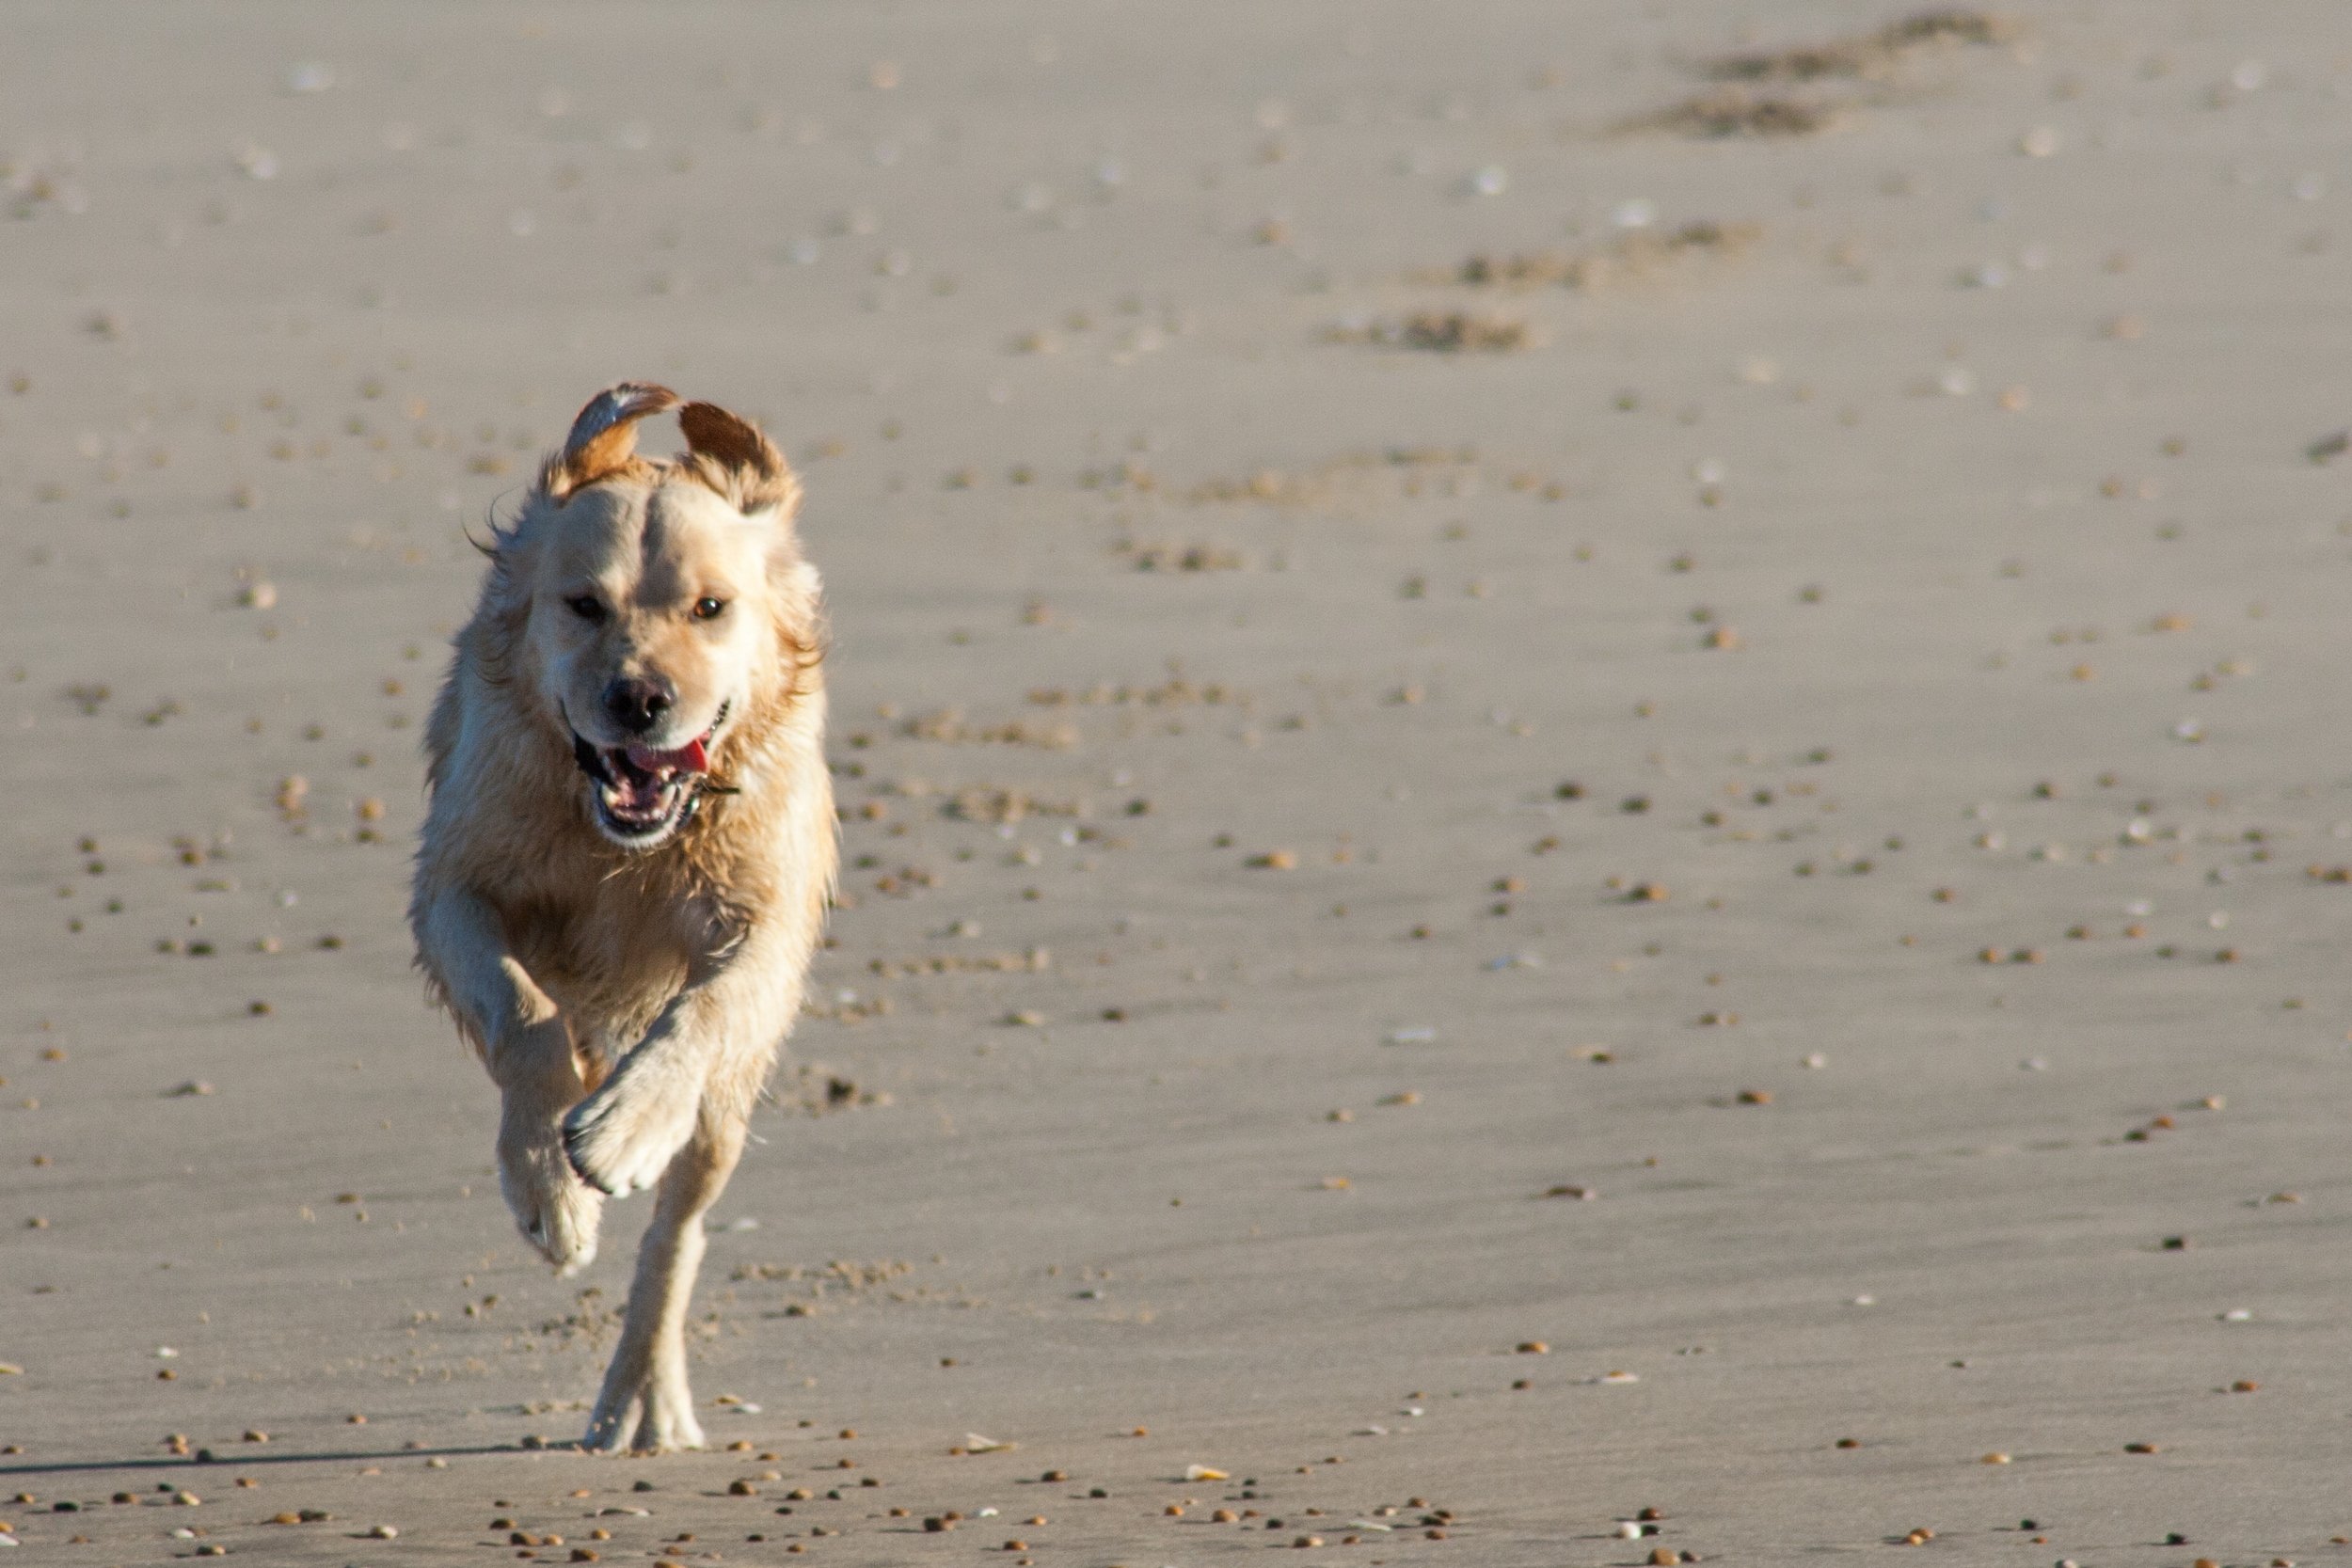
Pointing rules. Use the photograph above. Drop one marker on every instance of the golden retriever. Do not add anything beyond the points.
(630, 846)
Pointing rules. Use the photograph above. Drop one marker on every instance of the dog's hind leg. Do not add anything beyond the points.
(528, 1048)
(647, 1407)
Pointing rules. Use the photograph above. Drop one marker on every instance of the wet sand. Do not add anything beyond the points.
(1551, 814)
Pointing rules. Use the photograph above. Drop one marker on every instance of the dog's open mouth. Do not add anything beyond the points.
(642, 795)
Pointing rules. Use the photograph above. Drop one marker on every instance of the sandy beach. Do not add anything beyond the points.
(1591, 755)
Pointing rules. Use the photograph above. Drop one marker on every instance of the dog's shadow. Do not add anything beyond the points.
(190, 1463)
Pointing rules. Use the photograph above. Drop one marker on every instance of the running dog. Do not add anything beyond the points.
(630, 846)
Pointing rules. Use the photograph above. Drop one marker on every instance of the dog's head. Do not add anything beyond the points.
(653, 607)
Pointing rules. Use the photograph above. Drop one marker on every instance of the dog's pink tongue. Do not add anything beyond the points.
(689, 758)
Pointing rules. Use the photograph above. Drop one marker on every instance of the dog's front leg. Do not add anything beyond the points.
(723, 1029)
(525, 1044)
(552, 1206)
(647, 1407)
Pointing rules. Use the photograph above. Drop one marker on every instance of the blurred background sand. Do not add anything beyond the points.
(1581, 775)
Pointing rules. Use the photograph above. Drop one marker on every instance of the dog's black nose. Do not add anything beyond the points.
(637, 705)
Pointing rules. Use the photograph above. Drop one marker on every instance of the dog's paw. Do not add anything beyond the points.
(650, 1414)
(623, 1137)
(556, 1211)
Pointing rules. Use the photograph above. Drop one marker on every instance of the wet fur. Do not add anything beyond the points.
(630, 1003)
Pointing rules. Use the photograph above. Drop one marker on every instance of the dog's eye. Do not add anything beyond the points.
(586, 606)
(708, 608)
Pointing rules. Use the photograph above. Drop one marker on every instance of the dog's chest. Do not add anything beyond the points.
(613, 951)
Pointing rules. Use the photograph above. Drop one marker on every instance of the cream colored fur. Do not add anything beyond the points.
(629, 1001)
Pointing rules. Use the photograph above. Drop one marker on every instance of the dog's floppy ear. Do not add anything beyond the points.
(603, 441)
(734, 458)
